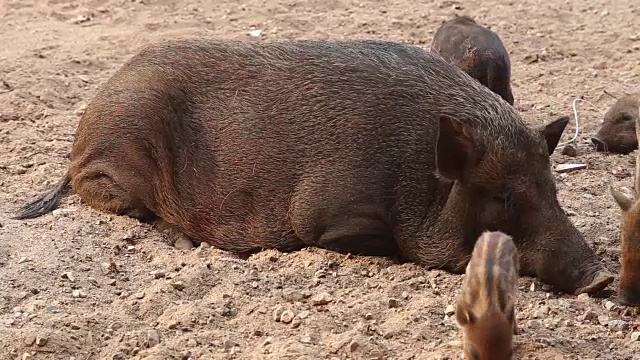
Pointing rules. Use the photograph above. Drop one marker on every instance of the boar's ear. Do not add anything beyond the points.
(552, 132)
(455, 146)
(623, 201)
(464, 316)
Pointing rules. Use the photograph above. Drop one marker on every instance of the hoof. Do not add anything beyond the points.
(628, 298)
(597, 283)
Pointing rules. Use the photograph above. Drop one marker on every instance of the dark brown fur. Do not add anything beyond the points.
(629, 286)
(370, 147)
(476, 50)
(487, 302)
(618, 131)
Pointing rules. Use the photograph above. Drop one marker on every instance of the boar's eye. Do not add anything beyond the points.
(624, 118)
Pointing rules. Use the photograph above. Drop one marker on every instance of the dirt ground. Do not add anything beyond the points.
(79, 284)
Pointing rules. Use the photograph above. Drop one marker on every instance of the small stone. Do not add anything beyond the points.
(603, 320)
(68, 275)
(321, 299)
(255, 33)
(267, 341)
(277, 312)
(75, 293)
(353, 346)
(306, 339)
(153, 337)
(192, 342)
(229, 344)
(450, 310)
(29, 340)
(393, 303)
(542, 312)
(26, 356)
(287, 316)
(173, 324)
(569, 150)
(111, 282)
(109, 267)
(158, 274)
(635, 336)
(588, 316)
(139, 295)
(534, 324)
(41, 340)
(405, 295)
(178, 285)
(583, 297)
(617, 325)
(292, 295)
(303, 314)
(23, 260)
(368, 316)
(532, 288)
(609, 305)
(183, 243)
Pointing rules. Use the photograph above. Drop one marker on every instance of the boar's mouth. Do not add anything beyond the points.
(619, 148)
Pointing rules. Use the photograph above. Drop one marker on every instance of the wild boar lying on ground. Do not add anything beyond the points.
(487, 302)
(618, 131)
(476, 50)
(369, 147)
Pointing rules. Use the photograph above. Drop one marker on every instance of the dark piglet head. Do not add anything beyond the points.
(618, 131)
(505, 184)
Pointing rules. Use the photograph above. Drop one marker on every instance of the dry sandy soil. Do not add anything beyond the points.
(79, 284)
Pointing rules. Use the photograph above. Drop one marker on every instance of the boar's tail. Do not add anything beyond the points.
(47, 202)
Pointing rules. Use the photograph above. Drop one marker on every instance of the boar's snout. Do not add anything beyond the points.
(598, 143)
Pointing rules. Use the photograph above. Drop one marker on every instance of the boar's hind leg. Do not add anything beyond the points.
(103, 193)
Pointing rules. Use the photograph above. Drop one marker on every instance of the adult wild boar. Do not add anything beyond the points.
(476, 50)
(335, 144)
(618, 131)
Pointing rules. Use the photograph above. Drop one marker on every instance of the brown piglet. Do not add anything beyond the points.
(629, 286)
(618, 131)
(486, 307)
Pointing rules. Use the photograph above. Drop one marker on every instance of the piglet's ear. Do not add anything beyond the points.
(623, 201)
(552, 132)
(464, 316)
(455, 148)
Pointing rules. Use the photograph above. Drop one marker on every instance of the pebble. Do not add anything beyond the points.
(368, 316)
(109, 267)
(139, 295)
(287, 316)
(68, 275)
(292, 295)
(23, 260)
(153, 337)
(41, 340)
(183, 243)
(158, 274)
(76, 293)
(111, 282)
(26, 356)
(609, 305)
(393, 303)
(583, 297)
(617, 325)
(178, 285)
(450, 310)
(229, 344)
(353, 346)
(635, 336)
(603, 320)
(267, 341)
(534, 324)
(277, 312)
(304, 314)
(321, 299)
(588, 315)
(29, 340)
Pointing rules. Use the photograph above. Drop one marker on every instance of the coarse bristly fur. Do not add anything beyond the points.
(618, 131)
(487, 302)
(629, 285)
(476, 50)
(369, 147)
